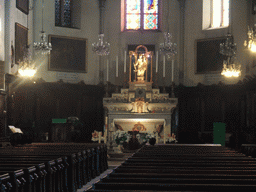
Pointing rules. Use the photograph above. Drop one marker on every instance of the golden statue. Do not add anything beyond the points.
(140, 67)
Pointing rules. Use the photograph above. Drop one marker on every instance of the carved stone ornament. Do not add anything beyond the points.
(159, 128)
(119, 109)
(139, 127)
(161, 108)
(140, 102)
(119, 127)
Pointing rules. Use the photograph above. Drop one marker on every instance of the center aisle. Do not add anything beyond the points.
(113, 162)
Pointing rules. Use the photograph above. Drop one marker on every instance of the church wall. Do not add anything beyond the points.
(240, 16)
(89, 30)
(11, 15)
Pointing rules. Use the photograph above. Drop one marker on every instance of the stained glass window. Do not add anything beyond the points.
(63, 13)
(142, 14)
(67, 13)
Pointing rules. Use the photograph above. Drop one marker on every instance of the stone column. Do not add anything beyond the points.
(182, 36)
(101, 60)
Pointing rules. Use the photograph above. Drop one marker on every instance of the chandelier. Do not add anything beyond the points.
(43, 45)
(231, 67)
(229, 47)
(251, 42)
(168, 48)
(26, 66)
(101, 48)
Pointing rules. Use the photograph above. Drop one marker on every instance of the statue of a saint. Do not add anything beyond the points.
(140, 67)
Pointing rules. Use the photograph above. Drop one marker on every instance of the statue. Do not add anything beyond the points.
(140, 67)
(140, 61)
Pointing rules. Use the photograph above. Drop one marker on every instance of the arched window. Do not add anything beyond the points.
(141, 14)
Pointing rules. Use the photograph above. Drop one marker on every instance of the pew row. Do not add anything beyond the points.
(181, 168)
(50, 167)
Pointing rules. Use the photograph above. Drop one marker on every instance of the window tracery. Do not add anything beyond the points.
(141, 14)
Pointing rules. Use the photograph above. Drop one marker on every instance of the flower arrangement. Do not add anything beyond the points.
(147, 136)
(121, 136)
(171, 138)
(96, 135)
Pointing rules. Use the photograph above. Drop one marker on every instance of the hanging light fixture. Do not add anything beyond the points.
(168, 48)
(251, 42)
(26, 66)
(229, 47)
(231, 66)
(101, 48)
(43, 45)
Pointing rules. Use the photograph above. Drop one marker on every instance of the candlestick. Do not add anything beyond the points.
(116, 66)
(172, 70)
(107, 68)
(164, 66)
(156, 61)
(125, 61)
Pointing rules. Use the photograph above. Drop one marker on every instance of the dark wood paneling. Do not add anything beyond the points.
(200, 107)
(40, 103)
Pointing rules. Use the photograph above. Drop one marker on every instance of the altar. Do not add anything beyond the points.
(139, 107)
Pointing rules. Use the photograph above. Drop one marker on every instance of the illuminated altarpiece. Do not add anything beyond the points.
(140, 107)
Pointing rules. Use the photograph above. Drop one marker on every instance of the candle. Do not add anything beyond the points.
(106, 120)
(125, 61)
(105, 138)
(107, 69)
(156, 61)
(164, 66)
(100, 137)
(172, 70)
(116, 66)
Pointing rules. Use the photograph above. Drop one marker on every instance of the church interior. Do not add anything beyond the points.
(166, 87)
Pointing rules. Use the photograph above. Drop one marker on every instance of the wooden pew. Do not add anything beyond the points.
(50, 174)
(177, 168)
(59, 174)
(16, 180)
(88, 161)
